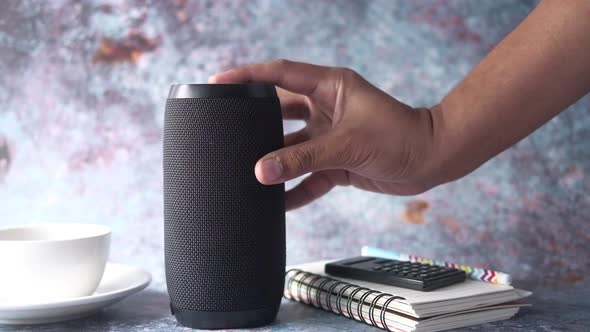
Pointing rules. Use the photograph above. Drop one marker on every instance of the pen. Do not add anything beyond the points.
(473, 273)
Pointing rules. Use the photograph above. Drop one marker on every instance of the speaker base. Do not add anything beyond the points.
(212, 320)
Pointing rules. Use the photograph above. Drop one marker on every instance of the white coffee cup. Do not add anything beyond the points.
(46, 262)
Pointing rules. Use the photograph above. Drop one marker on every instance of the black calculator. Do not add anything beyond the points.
(418, 276)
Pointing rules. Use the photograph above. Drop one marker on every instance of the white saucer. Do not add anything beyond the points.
(118, 282)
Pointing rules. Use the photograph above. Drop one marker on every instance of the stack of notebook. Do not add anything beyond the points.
(401, 309)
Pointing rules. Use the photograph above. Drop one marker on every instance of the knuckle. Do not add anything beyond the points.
(346, 147)
(346, 144)
(345, 78)
(348, 75)
(300, 159)
(354, 153)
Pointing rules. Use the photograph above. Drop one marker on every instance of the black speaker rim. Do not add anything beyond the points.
(214, 320)
(249, 90)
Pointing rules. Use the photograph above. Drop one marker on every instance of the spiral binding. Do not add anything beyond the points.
(305, 285)
(362, 301)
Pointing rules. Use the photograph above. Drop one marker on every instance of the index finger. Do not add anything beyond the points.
(302, 78)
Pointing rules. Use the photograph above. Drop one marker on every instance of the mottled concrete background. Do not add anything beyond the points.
(82, 92)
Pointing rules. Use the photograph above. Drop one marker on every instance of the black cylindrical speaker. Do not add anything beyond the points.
(224, 231)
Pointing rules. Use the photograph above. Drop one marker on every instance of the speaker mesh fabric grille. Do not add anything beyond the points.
(224, 231)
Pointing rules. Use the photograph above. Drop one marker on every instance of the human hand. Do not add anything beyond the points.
(355, 134)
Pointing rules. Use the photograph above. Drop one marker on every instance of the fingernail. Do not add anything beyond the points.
(272, 169)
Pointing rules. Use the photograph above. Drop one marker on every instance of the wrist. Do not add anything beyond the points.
(447, 160)
(436, 164)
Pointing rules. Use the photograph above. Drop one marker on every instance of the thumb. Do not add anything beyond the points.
(324, 152)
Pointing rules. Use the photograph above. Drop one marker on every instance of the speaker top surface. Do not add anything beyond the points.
(251, 90)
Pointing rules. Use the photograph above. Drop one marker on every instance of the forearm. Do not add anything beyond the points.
(537, 71)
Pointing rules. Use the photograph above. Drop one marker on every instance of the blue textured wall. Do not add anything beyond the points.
(82, 92)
